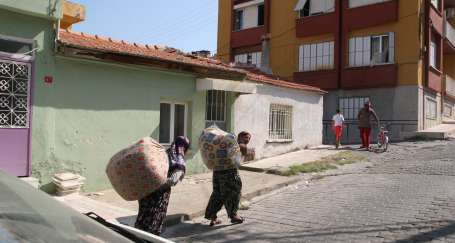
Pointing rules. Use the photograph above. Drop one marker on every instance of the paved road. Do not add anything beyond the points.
(405, 195)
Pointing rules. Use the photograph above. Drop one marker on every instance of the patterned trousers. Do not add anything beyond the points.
(227, 190)
(152, 211)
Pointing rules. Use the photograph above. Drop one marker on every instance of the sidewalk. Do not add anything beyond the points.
(190, 197)
(287, 160)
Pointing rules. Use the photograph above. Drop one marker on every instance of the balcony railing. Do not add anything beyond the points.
(450, 86)
(450, 33)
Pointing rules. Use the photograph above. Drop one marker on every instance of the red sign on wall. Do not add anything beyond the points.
(48, 80)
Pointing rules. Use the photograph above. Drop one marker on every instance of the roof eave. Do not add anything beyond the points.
(73, 50)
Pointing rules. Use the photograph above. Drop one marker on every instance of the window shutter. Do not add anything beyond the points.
(259, 59)
(358, 51)
(351, 52)
(391, 47)
(329, 6)
(366, 51)
(317, 6)
(301, 56)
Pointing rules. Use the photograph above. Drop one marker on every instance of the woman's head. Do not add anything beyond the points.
(182, 141)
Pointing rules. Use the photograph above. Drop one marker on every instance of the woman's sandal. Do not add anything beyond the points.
(215, 222)
(237, 220)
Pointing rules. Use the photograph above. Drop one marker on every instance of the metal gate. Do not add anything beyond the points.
(15, 117)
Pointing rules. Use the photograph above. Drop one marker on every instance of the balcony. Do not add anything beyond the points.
(324, 79)
(316, 25)
(450, 86)
(370, 15)
(248, 37)
(379, 76)
(449, 38)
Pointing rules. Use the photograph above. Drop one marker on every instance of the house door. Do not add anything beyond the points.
(15, 117)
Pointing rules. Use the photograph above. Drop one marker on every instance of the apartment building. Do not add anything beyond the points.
(399, 54)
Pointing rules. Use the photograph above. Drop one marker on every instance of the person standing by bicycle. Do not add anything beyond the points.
(337, 126)
(365, 116)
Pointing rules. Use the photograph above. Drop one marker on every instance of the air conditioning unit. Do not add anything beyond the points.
(450, 13)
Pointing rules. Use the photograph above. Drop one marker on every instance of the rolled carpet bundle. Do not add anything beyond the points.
(219, 149)
(138, 170)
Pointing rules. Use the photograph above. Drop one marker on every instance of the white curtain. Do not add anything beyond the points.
(321, 6)
(358, 3)
(300, 5)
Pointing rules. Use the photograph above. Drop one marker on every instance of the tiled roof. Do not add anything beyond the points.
(98, 43)
(95, 42)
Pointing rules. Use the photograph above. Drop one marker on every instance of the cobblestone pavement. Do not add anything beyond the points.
(404, 195)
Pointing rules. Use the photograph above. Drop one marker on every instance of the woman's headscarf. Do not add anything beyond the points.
(178, 162)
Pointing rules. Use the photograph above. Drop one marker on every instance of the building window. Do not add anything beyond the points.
(252, 58)
(216, 108)
(249, 15)
(238, 19)
(371, 50)
(350, 106)
(314, 7)
(434, 54)
(280, 122)
(359, 3)
(172, 121)
(318, 56)
(448, 110)
(431, 109)
(435, 3)
(13, 45)
(261, 15)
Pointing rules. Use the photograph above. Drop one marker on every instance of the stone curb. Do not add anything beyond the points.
(177, 219)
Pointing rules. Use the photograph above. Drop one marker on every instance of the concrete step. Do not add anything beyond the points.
(443, 131)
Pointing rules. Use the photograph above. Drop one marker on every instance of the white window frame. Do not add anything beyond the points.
(172, 119)
(361, 3)
(224, 111)
(317, 56)
(448, 110)
(250, 58)
(433, 55)
(250, 21)
(280, 125)
(329, 7)
(360, 50)
(435, 3)
(350, 106)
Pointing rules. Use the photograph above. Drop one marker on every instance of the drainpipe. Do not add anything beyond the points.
(424, 23)
(265, 59)
(340, 42)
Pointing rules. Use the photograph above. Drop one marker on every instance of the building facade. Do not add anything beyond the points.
(69, 101)
(396, 53)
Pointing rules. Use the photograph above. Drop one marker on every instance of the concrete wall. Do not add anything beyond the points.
(95, 109)
(51, 9)
(252, 114)
(396, 107)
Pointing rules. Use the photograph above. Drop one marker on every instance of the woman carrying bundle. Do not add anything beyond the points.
(153, 208)
(227, 189)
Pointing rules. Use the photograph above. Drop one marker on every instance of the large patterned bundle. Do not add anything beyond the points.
(138, 170)
(219, 149)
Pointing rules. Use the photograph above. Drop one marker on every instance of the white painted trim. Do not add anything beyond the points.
(248, 4)
(172, 119)
(206, 84)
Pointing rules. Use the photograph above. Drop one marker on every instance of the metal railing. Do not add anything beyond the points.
(450, 86)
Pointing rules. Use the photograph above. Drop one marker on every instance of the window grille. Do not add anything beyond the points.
(350, 106)
(280, 122)
(216, 108)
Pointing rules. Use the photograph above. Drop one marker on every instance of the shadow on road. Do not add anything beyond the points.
(199, 232)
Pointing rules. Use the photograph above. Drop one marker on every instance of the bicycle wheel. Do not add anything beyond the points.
(386, 143)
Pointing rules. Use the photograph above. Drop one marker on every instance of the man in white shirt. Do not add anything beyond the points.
(337, 126)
